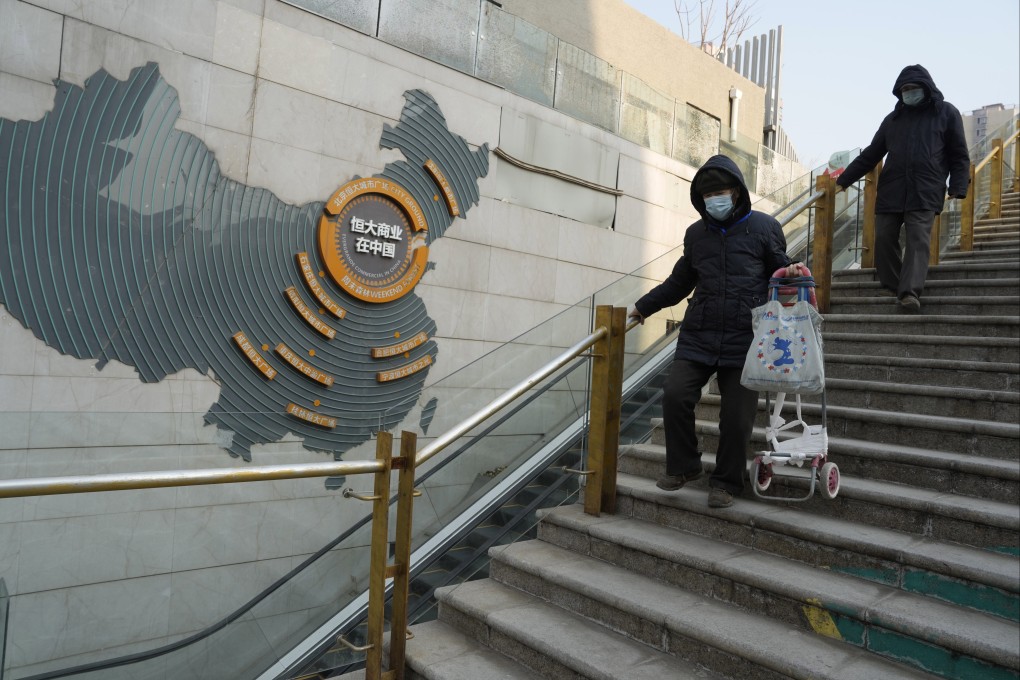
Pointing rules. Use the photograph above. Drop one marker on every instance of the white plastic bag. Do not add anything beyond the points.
(786, 352)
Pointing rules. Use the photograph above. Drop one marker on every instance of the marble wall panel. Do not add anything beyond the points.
(202, 597)
(186, 26)
(459, 264)
(211, 536)
(24, 99)
(29, 41)
(62, 553)
(507, 317)
(312, 64)
(522, 275)
(237, 38)
(57, 624)
(651, 184)
(650, 222)
(457, 313)
(575, 283)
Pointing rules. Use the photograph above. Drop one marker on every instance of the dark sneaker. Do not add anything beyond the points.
(719, 498)
(674, 482)
(909, 302)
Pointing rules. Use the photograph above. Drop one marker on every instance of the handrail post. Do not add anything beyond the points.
(379, 555)
(995, 200)
(401, 568)
(870, 198)
(821, 258)
(967, 214)
(936, 239)
(1016, 159)
(604, 410)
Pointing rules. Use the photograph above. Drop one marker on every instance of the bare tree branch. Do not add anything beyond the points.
(737, 18)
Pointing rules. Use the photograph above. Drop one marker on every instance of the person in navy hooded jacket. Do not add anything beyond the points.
(923, 143)
(729, 255)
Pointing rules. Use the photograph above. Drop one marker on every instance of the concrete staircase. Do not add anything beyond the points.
(911, 572)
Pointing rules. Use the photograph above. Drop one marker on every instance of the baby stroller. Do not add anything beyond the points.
(811, 446)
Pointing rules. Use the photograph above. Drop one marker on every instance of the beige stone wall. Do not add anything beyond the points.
(632, 42)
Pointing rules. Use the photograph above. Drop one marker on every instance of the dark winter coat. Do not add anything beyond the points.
(922, 144)
(727, 266)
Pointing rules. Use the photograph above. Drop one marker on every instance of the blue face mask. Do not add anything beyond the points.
(719, 207)
(912, 97)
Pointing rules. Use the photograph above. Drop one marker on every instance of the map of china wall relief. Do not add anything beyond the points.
(123, 242)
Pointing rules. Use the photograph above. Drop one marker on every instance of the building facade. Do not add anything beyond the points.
(255, 230)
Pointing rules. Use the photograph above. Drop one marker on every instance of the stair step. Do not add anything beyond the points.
(551, 641)
(953, 271)
(941, 288)
(969, 520)
(955, 573)
(926, 371)
(440, 652)
(940, 433)
(906, 345)
(889, 621)
(923, 324)
(949, 402)
(955, 473)
(716, 635)
(931, 303)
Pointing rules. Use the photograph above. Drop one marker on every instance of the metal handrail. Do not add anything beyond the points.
(48, 486)
(992, 154)
(801, 207)
(517, 390)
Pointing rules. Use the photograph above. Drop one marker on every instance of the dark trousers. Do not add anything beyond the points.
(903, 274)
(681, 394)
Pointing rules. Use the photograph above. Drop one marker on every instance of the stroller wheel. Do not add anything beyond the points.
(828, 477)
(761, 474)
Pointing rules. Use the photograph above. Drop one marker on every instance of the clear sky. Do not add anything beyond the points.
(840, 60)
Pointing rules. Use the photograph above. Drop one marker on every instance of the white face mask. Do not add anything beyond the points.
(719, 207)
(912, 97)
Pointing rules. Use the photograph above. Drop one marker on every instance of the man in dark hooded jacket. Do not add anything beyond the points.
(923, 142)
(729, 255)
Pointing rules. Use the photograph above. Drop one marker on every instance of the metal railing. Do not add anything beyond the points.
(606, 343)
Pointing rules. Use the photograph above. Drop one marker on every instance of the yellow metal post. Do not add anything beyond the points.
(967, 214)
(821, 260)
(936, 238)
(1016, 159)
(868, 232)
(614, 400)
(402, 552)
(598, 415)
(379, 555)
(995, 200)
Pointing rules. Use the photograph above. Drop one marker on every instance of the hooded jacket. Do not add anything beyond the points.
(922, 144)
(727, 266)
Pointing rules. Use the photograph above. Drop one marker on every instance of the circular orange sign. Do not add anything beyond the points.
(372, 239)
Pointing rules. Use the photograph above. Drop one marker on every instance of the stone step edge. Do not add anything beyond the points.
(464, 597)
(932, 283)
(995, 570)
(977, 300)
(965, 393)
(915, 420)
(996, 468)
(912, 338)
(942, 267)
(774, 645)
(965, 631)
(914, 362)
(955, 319)
(969, 509)
(437, 644)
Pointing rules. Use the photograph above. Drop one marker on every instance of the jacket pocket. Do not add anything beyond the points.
(694, 317)
(746, 305)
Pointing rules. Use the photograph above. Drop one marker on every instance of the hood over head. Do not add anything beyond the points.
(918, 75)
(720, 172)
